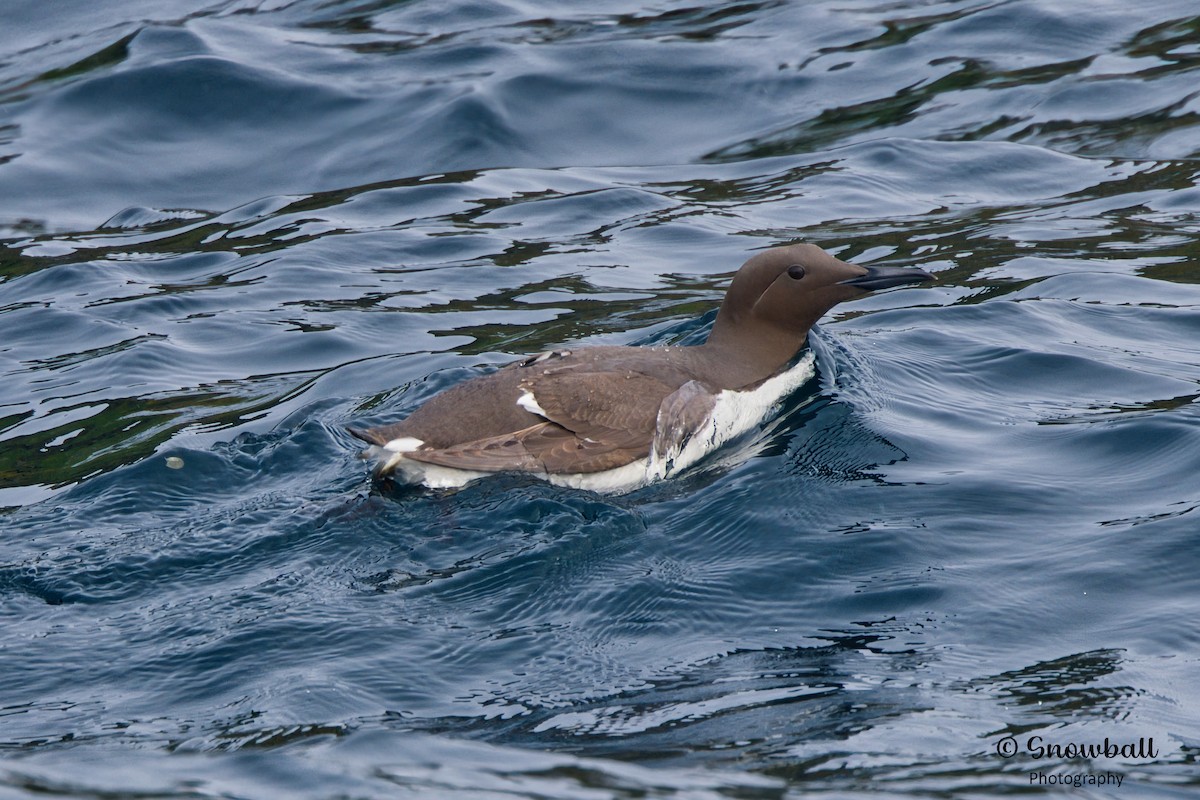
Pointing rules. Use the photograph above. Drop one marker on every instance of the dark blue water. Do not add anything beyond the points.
(228, 229)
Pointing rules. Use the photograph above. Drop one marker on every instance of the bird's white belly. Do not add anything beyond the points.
(733, 414)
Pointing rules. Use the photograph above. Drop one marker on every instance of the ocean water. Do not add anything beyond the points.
(963, 562)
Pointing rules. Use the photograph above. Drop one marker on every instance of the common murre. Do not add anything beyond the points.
(616, 418)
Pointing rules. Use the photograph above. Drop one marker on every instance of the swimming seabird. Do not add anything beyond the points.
(614, 418)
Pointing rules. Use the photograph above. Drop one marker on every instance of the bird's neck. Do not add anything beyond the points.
(749, 352)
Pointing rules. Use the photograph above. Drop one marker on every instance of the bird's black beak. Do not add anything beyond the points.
(886, 277)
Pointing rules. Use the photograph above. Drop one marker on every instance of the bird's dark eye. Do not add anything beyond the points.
(795, 272)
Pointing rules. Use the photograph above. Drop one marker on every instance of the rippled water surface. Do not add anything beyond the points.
(228, 229)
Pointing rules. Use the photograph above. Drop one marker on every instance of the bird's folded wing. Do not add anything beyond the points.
(544, 448)
(618, 408)
(594, 421)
